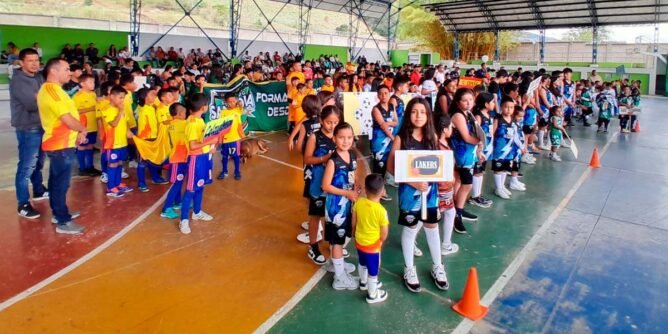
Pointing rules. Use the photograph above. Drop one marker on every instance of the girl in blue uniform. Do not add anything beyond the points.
(485, 103)
(417, 133)
(338, 182)
(519, 149)
(384, 121)
(504, 137)
(545, 101)
(464, 142)
(319, 148)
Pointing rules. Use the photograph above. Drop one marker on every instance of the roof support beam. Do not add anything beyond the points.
(594, 25)
(489, 16)
(537, 15)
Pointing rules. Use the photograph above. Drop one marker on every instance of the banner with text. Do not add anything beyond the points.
(265, 104)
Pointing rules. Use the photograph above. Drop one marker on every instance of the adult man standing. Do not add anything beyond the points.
(594, 78)
(60, 121)
(25, 119)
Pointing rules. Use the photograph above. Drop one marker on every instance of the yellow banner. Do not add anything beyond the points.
(469, 82)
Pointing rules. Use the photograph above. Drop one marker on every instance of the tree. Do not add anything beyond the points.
(586, 35)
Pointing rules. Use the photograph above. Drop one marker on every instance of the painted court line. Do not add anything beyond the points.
(25, 294)
(466, 325)
(280, 162)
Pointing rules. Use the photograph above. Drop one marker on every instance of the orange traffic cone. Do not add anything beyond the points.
(470, 306)
(637, 127)
(595, 162)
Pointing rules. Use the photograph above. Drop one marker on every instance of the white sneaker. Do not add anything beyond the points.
(124, 175)
(416, 251)
(303, 238)
(201, 215)
(348, 267)
(439, 276)
(104, 178)
(449, 249)
(364, 286)
(132, 164)
(381, 296)
(501, 193)
(345, 253)
(184, 226)
(522, 184)
(345, 282)
(505, 190)
(305, 226)
(411, 280)
(517, 186)
(527, 159)
(555, 157)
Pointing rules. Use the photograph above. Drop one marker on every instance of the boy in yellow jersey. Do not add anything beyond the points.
(116, 141)
(102, 104)
(297, 102)
(148, 130)
(127, 81)
(370, 228)
(177, 160)
(292, 107)
(231, 141)
(329, 84)
(162, 112)
(85, 101)
(309, 87)
(199, 168)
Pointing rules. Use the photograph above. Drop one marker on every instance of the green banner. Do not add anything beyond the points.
(265, 104)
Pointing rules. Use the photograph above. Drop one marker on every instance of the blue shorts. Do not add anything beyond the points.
(116, 155)
(91, 138)
(177, 172)
(198, 171)
(369, 260)
(232, 148)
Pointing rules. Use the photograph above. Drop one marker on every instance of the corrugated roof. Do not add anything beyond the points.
(368, 8)
(492, 15)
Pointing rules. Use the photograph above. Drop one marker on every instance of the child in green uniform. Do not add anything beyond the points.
(556, 131)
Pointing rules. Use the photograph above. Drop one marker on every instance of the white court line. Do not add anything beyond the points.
(26, 293)
(494, 291)
(281, 162)
(278, 315)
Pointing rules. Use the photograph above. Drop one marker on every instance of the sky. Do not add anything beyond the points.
(623, 33)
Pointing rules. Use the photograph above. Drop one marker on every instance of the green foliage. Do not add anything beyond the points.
(342, 28)
(88, 2)
(586, 35)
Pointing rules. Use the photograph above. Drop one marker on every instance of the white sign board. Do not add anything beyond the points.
(423, 166)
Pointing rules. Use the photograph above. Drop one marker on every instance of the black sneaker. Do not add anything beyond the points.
(42, 196)
(469, 216)
(459, 226)
(27, 211)
(480, 201)
(94, 172)
(315, 256)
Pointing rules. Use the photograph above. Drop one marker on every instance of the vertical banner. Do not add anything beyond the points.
(357, 109)
(265, 104)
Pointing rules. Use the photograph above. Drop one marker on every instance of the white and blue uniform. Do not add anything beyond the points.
(338, 208)
(465, 153)
(569, 95)
(504, 148)
(310, 125)
(519, 140)
(380, 142)
(400, 114)
(410, 199)
(546, 108)
(323, 146)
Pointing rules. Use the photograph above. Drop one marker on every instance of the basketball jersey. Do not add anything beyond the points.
(323, 146)
(559, 121)
(311, 125)
(518, 141)
(530, 118)
(486, 125)
(380, 142)
(546, 108)
(337, 207)
(503, 140)
(464, 152)
(410, 199)
(400, 113)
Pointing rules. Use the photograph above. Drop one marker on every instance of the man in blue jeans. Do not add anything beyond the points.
(62, 133)
(25, 119)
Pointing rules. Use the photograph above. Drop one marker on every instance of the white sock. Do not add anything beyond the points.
(373, 286)
(408, 244)
(364, 273)
(448, 224)
(338, 267)
(504, 176)
(541, 134)
(514, 179)
(434, 242)
(498, 180)
(477, 186)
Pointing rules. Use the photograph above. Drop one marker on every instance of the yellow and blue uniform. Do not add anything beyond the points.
(148, 130)
(115, 145)
(83, 101)
(100, 106)
(162, 112)
(199, 167)
(231, 142)
(53, 103)
(371, 218)
(338, 208)
(178, 157)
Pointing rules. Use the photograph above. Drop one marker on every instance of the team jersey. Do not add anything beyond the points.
(546, 108)
(100, 106)
(236, 133)
(83, 101)
(606, 105)
(503, 140)
(569, 91)
(327, 88)
(632, 100)
(129, 110)
(162, 113)
(148, 122)
(371, 217)
(323, 146)
(337, 207)
(53, 103)
(310, 126)
(114, 137)
(586, 98)
(410, 199)
(486, 125)
(400, 113)
(465, 153)
(380, 142)
(530, 116)
(194, 132)
(299, 111)
(519, 140)
(177, 138)
(559, 121)
(292, 108)
(446, 190)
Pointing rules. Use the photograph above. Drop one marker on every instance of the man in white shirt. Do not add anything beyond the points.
(593, 78)
(439, 76)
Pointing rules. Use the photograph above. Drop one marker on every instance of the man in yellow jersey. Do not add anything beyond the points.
(62, 131)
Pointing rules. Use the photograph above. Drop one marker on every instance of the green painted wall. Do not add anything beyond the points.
(398, 57)
(312, 51)
(52, 40)
(435, 58)
(425, 59)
